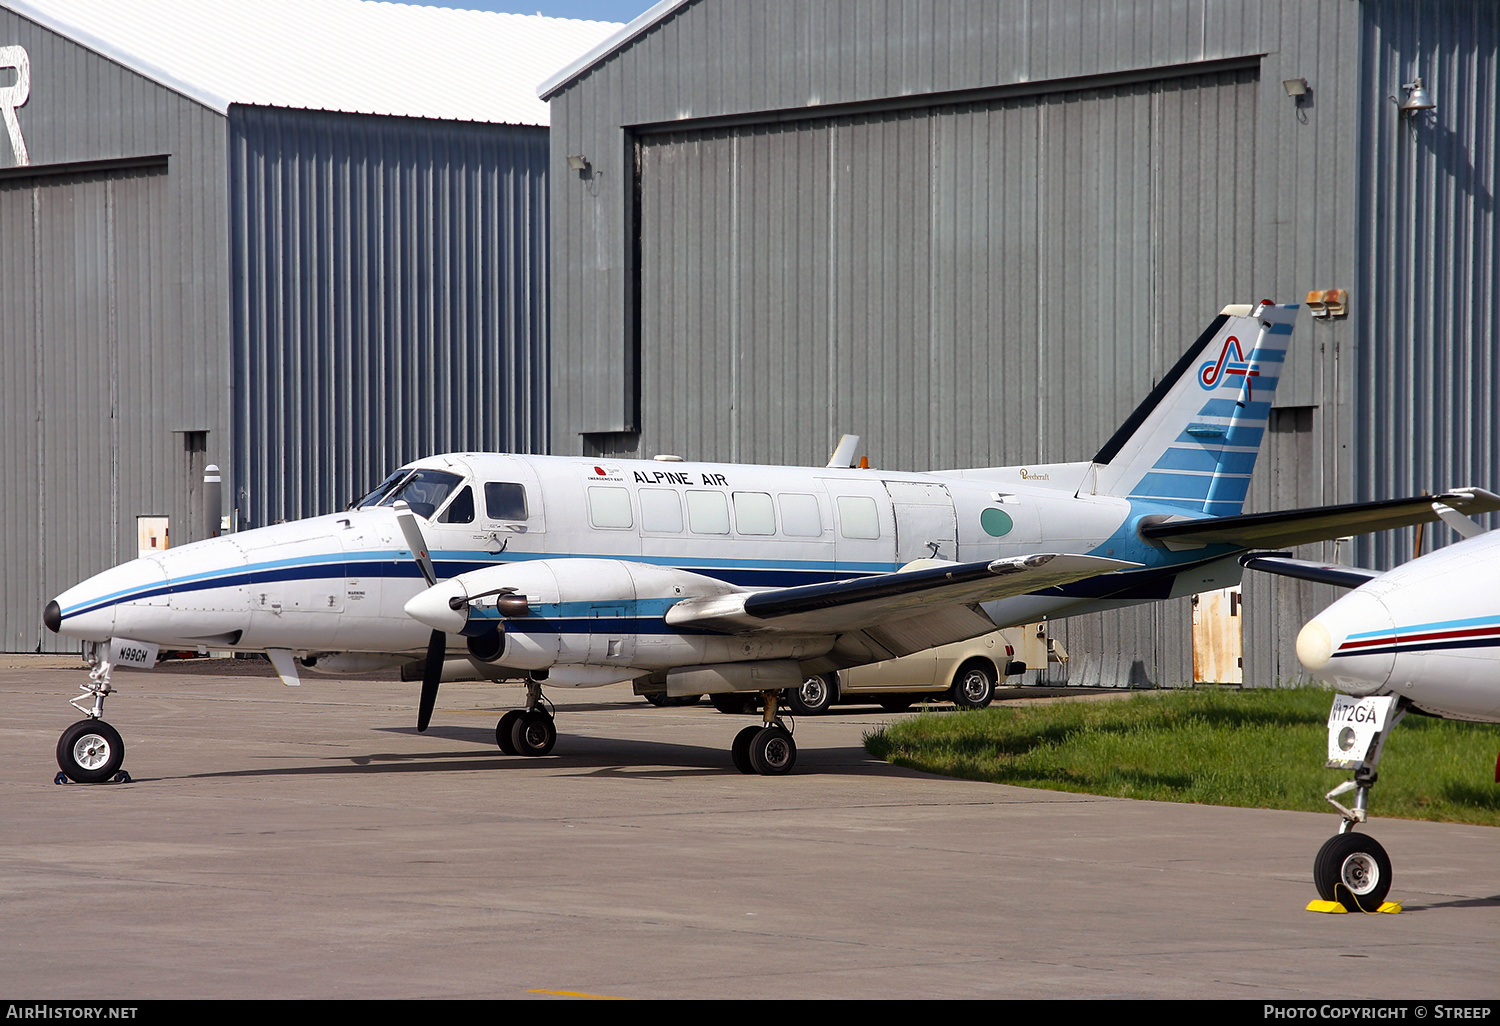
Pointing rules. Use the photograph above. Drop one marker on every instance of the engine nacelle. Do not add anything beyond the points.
(536, 615)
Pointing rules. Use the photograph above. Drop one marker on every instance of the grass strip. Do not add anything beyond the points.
(1253, 748)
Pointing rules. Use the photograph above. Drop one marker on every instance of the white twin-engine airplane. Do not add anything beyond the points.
(693, 578)
(1424, 638)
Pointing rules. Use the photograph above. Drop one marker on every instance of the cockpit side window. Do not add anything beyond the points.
(461, 509)
(423, 490)
(504, 500)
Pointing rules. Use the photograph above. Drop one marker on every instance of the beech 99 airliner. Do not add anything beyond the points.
(694, 578)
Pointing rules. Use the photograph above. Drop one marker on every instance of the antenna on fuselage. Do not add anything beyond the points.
(843, 453)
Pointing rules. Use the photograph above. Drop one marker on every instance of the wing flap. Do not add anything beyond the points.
(1301, 526)
(874, 601)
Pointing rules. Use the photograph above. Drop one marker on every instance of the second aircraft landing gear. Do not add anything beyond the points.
(767, 749)
(1352, 871)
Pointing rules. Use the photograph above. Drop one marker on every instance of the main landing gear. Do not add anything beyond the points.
(767, 749)
(91, 751)
(528, 731)
(1352, 871)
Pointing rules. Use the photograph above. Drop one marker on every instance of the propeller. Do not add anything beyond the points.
(437, 641)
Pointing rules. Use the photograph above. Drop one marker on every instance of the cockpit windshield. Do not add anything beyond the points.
(423, 490)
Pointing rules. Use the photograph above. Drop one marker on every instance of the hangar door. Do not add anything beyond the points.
(963, 285)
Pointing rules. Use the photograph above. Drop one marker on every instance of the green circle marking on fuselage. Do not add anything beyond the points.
(996, 522)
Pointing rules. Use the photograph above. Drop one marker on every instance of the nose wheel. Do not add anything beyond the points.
(1353, 870)
(91, 752)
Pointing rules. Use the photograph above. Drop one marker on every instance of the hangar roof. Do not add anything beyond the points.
(339, 55)
(604, 47)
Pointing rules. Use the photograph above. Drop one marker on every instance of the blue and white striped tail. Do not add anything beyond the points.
(1194, 441)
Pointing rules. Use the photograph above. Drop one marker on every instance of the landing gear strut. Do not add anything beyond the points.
(91, 751)
(767, 749)
(529, 731)
(1352, 870)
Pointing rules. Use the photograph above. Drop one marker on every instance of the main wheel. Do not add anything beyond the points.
(503, 729)
(772, 751)
(816, 694)
(533, 733)
(1353, 870)
(740, 750)
(973, 686)
(90, 751)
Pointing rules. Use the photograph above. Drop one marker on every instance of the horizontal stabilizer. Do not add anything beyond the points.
(1283, 565)
(1301, 526)
(867, 601)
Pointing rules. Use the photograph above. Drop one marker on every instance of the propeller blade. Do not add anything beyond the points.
(414, 541)
(432, 675)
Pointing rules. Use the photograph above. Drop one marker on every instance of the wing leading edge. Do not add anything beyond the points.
(864, 602)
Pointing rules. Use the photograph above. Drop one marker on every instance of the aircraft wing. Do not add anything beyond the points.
(1283, 565)
(1300, 526)
(910, 593)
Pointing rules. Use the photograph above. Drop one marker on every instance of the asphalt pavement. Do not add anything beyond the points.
(308, 843)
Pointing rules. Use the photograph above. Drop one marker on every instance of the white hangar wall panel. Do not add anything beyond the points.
(389, 300)
(113, 327)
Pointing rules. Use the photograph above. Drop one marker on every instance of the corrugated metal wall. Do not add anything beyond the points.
(389, 300)
(850, 276)
(1428, 366)
(113, 321)
(778, 140)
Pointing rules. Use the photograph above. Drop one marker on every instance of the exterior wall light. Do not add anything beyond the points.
(1418, 99)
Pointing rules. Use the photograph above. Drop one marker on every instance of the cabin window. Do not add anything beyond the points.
(504, 500)
(661, 510)
(799, 515)
(708, 512)
(858, 517)
(461, 509)
(753, 513)
(609, 507)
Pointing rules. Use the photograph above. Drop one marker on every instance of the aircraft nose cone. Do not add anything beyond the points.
(434, 607)
(1351, 644)
(1314, 646)
(52, 616)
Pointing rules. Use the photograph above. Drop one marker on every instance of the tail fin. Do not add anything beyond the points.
(1194, 441)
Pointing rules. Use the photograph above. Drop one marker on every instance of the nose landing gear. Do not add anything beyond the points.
(1352, 871)
(91, 751)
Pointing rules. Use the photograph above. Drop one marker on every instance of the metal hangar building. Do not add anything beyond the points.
(302, 240)
(976, 232)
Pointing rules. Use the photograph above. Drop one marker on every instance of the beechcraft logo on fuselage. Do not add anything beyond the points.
(1231, 366)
